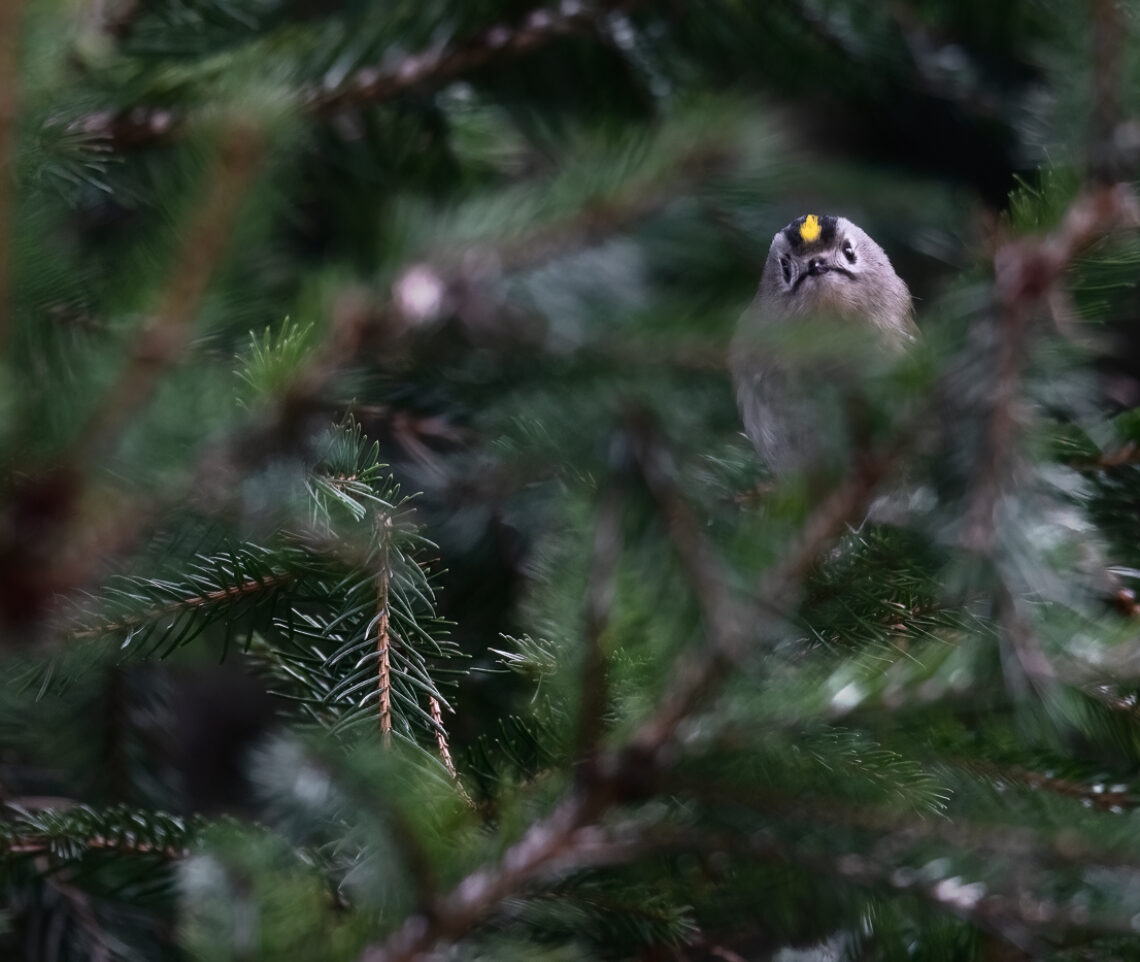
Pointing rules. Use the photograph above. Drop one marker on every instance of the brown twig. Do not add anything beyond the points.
(703, 570)
(435, 708)
(1109, 799)
(244, 590)
(425, 70)
(384, 635)
(32, 845)
(436, 711)
(11, 14)
(433, 68)
(1025, 272)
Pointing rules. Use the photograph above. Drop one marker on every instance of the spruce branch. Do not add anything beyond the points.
(161, 343)
(433, 68)
(572, 835)
(63, 548)
(435, 708)
(67, 833)
(600, 218)
(427, 69)
(40, 845)
(246, 589)
(886, 850)
(703, 570)
(71, 545)
(1025, 274)
(1114, 799)
(384, 635)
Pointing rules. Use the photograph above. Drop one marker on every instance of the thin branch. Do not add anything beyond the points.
(601, 218)
(742, 628)
(161, 343)
(11, 14)
(560, 841)
(384, 635)
(702, 569)
(245, 589)
(435, 709)
(428, 69)
(40, 845)
(1025, 272)
(1000, 426)
(433, 68)
(1113, 799)
(75, 541)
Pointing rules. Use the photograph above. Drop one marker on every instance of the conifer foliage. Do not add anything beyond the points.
(384, 574)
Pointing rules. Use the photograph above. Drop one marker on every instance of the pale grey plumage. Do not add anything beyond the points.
(817, 267)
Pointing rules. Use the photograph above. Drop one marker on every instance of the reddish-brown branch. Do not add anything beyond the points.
(33, 845)
(1025, 272)
(441, 743)
(1098, 796)
(244, 590)
(425, 70)
(384, 635)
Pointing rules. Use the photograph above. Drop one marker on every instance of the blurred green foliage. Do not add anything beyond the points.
(342, 343)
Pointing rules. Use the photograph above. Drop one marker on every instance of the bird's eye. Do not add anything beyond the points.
(786, 268)
(849, 252)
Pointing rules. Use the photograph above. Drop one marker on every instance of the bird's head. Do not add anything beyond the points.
(820, 264)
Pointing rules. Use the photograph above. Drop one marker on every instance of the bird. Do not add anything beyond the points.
(819, 267)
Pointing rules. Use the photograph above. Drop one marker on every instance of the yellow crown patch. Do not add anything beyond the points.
(809, 229)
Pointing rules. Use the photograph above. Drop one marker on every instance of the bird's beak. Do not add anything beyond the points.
(817, 266)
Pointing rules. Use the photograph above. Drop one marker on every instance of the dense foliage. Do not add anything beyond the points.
(383, 572)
